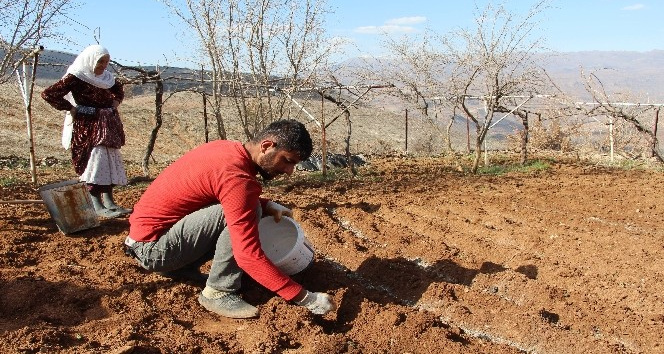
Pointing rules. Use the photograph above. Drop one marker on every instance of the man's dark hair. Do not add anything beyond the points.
(289, 135)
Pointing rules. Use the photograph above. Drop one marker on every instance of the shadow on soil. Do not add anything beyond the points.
(30, 301)
(396, 281)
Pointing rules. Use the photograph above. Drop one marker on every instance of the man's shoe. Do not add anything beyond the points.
(186, 274)
(228, 305)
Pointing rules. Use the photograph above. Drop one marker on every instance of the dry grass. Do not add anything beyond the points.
(378, 128)
(374, 130)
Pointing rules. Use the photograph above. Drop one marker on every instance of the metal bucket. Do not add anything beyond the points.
(70, 205)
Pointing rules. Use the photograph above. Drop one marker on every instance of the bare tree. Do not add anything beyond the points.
(344, 103)
(417, 69)
(144, 76)
(24, 24)
(253, 47)
(494, 60)
(140, 76)
(620, 110)
(474, 70)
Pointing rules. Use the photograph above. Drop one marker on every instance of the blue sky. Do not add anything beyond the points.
(143, 32)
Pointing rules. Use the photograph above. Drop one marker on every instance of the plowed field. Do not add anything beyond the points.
(420, 257)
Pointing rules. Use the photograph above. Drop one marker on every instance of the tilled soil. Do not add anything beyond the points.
(420, 257)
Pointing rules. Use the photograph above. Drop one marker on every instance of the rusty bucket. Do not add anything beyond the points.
(70, 205)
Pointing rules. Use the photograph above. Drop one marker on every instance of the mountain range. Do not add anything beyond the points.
(638, 74)
(634, 74)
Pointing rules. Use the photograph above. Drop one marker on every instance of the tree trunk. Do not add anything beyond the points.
(221, 129)
(448, 133)
(346, 113)
(205, 116)
(467, 135)
(158, 102)
(351, 166)
(205, 119)
(478, 156)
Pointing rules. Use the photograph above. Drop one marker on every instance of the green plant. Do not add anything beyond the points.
(8, 181)
(532, 166)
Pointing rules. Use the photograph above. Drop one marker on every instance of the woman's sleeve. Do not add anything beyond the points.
(55, 94)
(117, 91)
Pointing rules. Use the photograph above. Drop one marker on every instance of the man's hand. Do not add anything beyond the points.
(277, 210)
(317, 303)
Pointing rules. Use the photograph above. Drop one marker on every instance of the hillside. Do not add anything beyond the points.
(374, 130)
(378, 123)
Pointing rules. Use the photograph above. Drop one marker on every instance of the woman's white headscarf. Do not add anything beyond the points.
(84, 65)
(83, 68)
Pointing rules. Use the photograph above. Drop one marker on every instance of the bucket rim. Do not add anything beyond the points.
(60, 184)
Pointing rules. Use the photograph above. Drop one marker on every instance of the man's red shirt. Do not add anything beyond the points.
(217, 172)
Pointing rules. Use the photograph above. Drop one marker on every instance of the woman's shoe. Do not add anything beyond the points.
(109, 203)
(121, 210)
(108, 213)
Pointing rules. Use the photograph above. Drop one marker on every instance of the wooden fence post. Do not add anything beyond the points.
(323, 136)
(406, 130)
(27, 100)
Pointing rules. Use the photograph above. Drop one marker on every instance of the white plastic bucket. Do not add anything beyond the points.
(70, 205)
(285, 244)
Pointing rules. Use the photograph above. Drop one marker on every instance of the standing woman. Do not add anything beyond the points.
(91, 95)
